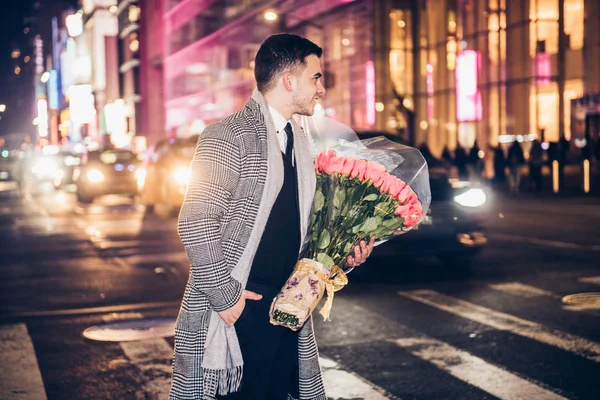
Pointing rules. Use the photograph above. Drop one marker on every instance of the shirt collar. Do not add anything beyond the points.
(278, 119)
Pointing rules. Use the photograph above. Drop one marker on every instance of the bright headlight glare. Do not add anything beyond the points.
(181, 176)
(471, 198)
(95, 176)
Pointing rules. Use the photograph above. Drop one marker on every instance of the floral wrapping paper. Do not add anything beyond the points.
(300, 295)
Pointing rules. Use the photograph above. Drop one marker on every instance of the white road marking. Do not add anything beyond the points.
(21, 377)
(341, 384)
(590, 279)
(545, 242)
(474, 370)
(152, 357)
(522, 290)
(506, 322)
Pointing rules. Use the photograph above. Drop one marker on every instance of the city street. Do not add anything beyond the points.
(402, 329)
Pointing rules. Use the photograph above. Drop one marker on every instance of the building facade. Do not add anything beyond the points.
(441, 72)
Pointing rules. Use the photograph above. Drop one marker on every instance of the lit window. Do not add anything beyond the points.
(134, 46)
(134, 13)
(574, 23)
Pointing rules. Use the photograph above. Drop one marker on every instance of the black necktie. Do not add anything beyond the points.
(290, 140)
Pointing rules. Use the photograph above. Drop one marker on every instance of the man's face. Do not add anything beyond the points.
(308, 87)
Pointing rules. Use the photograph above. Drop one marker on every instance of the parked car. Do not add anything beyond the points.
(167, 173)
(105, 172)
(67, 164)
(9, 167)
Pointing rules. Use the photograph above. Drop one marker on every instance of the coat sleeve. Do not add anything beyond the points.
(215, 172)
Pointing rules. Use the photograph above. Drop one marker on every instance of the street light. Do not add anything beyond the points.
(2, 108)
(270, 15)
(45, 76)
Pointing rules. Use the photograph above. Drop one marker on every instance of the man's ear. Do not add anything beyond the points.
(288, 81)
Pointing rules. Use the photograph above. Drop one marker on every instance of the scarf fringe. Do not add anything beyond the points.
(222, 381)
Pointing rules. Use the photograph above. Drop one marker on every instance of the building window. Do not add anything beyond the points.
(574, 23)
(134, 13)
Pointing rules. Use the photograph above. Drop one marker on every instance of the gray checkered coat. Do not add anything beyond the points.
(237, 173)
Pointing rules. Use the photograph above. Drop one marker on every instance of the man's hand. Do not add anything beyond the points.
(361, 253)
(232, 314)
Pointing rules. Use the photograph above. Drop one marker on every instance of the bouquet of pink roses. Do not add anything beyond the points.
(355, 199)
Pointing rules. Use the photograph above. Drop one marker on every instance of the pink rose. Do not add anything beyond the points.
(359, 170)
(414, 215)
(406, 194)
(323, 159)
(335, 165)
(396, 187)
(348, 166)
(388, 181)
(402, 210)
(375, 172)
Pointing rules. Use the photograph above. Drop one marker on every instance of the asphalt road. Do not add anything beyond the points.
(402, 329)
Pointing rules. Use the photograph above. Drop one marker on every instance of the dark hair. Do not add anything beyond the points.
(279, 53)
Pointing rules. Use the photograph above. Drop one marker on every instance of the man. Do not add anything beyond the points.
(243, 221)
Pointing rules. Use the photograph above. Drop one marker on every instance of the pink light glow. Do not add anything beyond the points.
(429, 80)
(370, 92)
(543, 69)
(468, 97)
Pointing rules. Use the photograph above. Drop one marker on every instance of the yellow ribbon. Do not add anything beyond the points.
(336, 280)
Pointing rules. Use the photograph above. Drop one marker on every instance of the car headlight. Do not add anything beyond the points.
(182, 176)
(95, 176)
(471, 198)
(45, 167)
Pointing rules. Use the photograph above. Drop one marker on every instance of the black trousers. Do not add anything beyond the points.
(270, 352)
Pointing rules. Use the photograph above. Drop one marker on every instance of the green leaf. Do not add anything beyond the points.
(371, 197)
(370, 224)
(348, 247)
(324, 239)
(339, 197)
(325, 260)
(393, 222)
(319, 201)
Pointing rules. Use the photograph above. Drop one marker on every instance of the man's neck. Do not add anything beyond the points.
(278, 104)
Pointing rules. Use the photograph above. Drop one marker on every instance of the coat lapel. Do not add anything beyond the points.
(306, 178)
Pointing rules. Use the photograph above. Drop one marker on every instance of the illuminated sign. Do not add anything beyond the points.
(81, 104)
(53, 90)
(468, 96)
(370, 92)
(543, 69)
(74, 24)
(38, 53)
(42, 117)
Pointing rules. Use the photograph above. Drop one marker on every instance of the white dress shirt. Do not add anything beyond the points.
(280, 123)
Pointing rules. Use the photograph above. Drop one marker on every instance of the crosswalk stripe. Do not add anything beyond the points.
(152, 355)
(474, 370)
(341, 384)
(20, 377)
(522, 290)
(590, 279)
(506, 322)
(545, 242)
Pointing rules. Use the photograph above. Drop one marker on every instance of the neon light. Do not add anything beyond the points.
(42, 112)
(370, 92)
(543, 69)
(429, 81)
(468, 96)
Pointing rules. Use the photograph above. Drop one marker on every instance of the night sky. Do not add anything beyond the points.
(17, 91)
